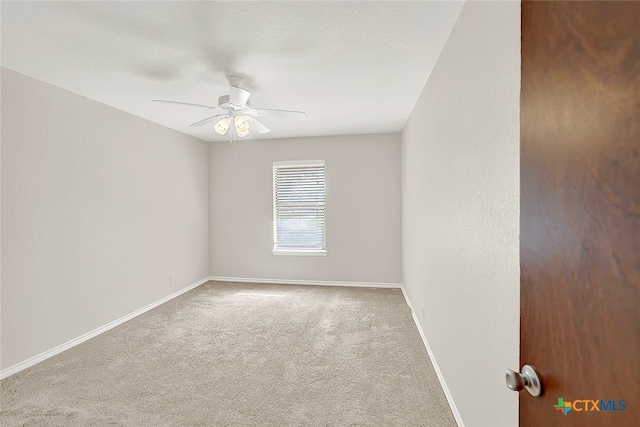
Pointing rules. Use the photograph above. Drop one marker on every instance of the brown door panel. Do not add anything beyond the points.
(580, 211)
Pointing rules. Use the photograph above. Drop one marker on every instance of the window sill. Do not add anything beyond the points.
(299, 252)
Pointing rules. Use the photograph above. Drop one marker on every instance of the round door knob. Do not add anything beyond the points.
(528, 379)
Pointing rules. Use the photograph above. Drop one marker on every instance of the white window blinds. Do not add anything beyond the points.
(299, 206)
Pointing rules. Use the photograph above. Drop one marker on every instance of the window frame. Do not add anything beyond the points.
(293, 251)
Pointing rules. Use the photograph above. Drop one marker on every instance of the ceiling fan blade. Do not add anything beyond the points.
(256, 125)
(238, 96)
(207, 120)
(281, 114)
(182, 103)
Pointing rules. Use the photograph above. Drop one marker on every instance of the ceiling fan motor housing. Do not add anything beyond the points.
(223, 103)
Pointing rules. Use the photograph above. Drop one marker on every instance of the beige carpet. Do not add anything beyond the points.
(221, 355)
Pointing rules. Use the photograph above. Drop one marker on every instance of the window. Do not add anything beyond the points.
(298, 208)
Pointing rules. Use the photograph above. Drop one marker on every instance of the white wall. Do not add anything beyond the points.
(362, 209)
(460, 211)
(99, 208)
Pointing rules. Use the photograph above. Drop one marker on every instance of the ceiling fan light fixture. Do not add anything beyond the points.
(242, 126)
(222, 126)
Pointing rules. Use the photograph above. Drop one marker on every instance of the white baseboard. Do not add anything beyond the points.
(306, 282)
(443, 384)
(62, 347)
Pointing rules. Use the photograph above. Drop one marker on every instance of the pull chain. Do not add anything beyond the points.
(234, 139)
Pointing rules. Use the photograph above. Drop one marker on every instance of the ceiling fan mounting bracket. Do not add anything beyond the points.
(234, 81)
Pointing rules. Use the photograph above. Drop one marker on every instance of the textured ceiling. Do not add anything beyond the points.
(353, 67)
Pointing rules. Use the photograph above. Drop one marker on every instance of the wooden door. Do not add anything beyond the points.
(580, 212)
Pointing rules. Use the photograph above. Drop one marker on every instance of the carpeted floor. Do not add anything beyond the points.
(239, 354)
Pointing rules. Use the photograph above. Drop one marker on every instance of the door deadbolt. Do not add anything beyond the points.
(528, 379)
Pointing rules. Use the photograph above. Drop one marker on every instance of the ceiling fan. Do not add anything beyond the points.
(236, 113)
